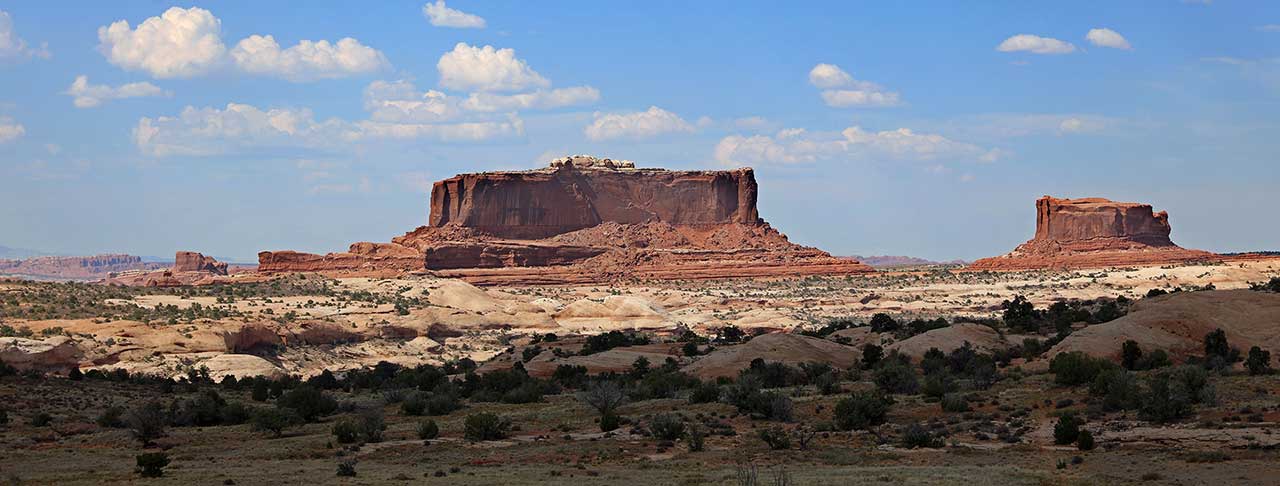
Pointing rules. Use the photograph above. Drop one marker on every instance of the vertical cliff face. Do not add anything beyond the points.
(540, 204)
(1094, 233)
(190, 261)
(1068, 220)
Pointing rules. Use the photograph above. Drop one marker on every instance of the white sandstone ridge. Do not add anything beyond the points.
(592, 162)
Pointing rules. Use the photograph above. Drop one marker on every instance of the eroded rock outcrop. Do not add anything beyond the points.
(582, 220)
(74, 268)
(1094, 233)
(190, 261)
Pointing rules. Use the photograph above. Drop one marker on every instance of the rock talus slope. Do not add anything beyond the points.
(1094, 233)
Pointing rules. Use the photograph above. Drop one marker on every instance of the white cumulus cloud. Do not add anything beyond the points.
(12, 46)
(90, 95)
(1104, 37)
(1035, 45)
(10, 130)
(841, 90)
(643, 124)
(401, 102)
(537, 100)
(442, 16)
(180, 43)
(183, 43)
(470, 68)
(308, 60)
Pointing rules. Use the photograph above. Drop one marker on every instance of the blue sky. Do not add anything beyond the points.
(916, 128)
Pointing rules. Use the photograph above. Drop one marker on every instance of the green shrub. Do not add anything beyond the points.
(776, 437)
(427, 430)
(937, 385)
(274, 420)
(112, 418)
(861, 410)
(146, 421)
(372, 425)
(347, 468)
(955, 403)
(442, 404)
(666, 426)
(915, 435)
(1171, 394)
(1259, 361)
(696, 439)
(610, 421)
(1076, 368)
(1085, 441)
(894, 376)
(41, 419)
(309, 403)
(415, 405)
(871, 355)
(1130, 354)
(151, 464)
(486, 426)
(346, 430)
(706, 392)
(1118, 389)
(4, 417)
(1066, 430)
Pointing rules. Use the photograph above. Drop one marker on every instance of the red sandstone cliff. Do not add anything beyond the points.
(190, 261)
(73, 268)
(1094, 233)
(584, 220)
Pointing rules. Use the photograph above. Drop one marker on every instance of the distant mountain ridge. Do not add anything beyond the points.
(893, 261)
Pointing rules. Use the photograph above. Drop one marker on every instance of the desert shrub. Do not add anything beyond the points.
(861, 410)
(146, 421)
(1021, 314)
(780, 407)
(1066, 430)
(610, 340)
(667, 426)
(1171, 394)
(933, 361)
(1076, 368)
(112, 418)
(773, 374)
(486, 426)
(347, 468)
(882, 322)
(664, 382)
(1130, 354)
(259, 393)
(1118, 389)
(235, 413)
(610, 421)
(1156, 359)
(442, 404)
(427, 430)
(569, 375)
(1258, 362)
(1084, 441)
(695, 438)
(871, 355)
(955, 403)
(41, 419)
(151, 464)
(937, 385)
(1218, 353)
(915, 435)
(346, 431)
(372, 425)
(309, 403)
(4, 417)
(414, 405)
(605, 396)
(706, 392)
(776, 437)
(274, 420)
(895, 376)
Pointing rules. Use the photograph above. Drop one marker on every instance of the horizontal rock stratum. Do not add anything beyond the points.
(584, 219)
(1094, 233)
